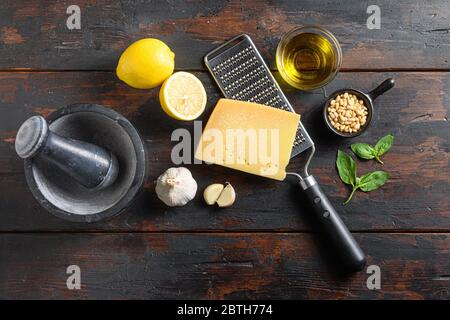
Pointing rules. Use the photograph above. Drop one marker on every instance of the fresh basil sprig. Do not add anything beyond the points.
(366, 151)
(347, 172)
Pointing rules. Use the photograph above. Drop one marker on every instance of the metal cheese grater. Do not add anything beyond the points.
(241, 74)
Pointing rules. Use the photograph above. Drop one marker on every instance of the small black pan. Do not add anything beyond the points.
(368, 99)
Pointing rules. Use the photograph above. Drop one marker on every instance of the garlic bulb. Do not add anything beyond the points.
(176, 187)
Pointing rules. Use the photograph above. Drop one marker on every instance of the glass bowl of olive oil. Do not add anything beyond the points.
(308, 57)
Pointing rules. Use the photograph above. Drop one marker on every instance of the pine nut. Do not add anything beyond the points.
(346, 113)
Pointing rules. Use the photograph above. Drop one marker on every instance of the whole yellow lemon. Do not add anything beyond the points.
(145, 64)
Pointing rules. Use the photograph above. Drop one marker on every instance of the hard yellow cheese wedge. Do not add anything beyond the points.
(250, 137)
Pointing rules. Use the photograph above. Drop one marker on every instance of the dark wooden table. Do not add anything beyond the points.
(263, 246)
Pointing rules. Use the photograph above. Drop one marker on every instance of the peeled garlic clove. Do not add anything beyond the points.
(227, 196)
(212, 193)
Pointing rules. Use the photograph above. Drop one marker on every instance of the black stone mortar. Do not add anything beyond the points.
(67, 199)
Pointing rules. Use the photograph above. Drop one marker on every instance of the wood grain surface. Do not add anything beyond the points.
(265, 245)
(218, 266)
(414, 34)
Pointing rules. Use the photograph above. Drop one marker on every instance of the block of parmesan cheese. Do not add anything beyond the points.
(250, 137)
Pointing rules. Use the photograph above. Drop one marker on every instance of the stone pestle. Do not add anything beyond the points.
(90, 165)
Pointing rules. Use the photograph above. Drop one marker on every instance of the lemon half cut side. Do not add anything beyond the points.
(183, 96)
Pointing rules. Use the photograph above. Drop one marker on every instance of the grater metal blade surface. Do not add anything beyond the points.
(241, 74)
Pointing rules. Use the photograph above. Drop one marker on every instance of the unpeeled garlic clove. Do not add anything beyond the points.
(212, 193)
(226, 197)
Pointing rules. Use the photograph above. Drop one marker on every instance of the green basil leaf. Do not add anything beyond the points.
(373, 180)
(384, 144)
(363, 150)
(346, 168)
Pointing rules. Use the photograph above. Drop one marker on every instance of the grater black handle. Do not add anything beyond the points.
(347, 249)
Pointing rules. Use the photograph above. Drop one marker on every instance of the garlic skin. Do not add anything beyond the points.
(176, 187)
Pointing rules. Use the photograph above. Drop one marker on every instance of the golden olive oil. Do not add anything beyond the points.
(307, 61)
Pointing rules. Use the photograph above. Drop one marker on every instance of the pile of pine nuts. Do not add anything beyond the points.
(346, 113)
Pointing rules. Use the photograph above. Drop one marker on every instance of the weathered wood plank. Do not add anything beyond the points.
(416, 197)
(219, 266)
(33, 34)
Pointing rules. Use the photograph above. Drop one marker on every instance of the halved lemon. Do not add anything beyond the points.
(182, 96)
